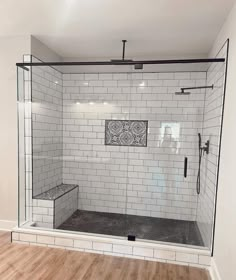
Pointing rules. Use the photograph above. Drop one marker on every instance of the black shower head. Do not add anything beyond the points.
(182, 92)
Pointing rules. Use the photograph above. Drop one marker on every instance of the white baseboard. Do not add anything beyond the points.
(7, 225)
(214, 271)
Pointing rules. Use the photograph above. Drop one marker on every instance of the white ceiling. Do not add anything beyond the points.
(94, 28)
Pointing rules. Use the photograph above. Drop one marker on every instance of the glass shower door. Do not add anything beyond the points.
(161, 201)
(143, 168)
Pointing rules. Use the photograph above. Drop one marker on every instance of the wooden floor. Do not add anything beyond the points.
(32, 262)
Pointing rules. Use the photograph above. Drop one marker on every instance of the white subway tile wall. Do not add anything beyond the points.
(43, 213)
(211, 131)
(47, 128)
(52, 213)
(65, 206)
(122, 248)
(151, 177)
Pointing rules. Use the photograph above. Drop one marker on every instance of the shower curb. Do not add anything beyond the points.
(160, 252)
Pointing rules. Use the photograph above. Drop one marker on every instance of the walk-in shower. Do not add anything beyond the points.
(107, 149)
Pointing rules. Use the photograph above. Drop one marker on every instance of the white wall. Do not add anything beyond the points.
(225, 241)
(11, 51)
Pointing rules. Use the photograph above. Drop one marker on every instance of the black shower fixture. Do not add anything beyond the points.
(201, 151)
(137, 66)
(184, 92)
(123, 55)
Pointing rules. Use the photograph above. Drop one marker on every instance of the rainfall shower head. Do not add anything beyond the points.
(183, 92)
(137, 66)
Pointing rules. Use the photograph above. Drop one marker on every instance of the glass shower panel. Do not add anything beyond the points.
(21, 147)
(161, 202)
(24, 146)
(46, 128)
(212, 126)
(95, 108)
(47, 149)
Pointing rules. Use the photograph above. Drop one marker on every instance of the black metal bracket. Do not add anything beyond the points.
(23, 67)
(123, 53)
(131, 237)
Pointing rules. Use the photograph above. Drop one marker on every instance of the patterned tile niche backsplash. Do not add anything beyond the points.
(126, 133)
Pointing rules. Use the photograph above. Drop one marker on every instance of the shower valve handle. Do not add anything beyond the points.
(206, 147)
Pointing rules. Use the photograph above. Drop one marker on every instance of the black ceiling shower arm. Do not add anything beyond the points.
(137, 66)
(123, 53)
(122, 60)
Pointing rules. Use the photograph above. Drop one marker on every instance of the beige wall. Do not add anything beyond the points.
(11, 51)
(225, 234)
(42, 52)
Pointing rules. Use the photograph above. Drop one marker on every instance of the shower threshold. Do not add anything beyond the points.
(149, 228)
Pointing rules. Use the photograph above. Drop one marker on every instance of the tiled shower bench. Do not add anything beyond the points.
(53, 207)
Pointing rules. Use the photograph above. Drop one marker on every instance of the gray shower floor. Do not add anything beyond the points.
(158, 229)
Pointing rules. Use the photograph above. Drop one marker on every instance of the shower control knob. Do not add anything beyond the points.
(206, 147)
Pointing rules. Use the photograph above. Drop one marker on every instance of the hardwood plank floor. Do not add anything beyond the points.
(22, 262)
